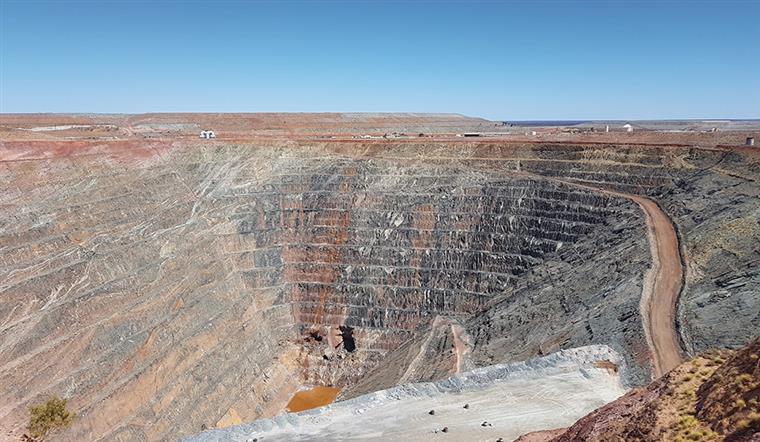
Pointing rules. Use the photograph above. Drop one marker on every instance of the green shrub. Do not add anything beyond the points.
(48, 416)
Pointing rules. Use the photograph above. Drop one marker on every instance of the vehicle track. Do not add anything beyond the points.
(662, 287)
(662, 283)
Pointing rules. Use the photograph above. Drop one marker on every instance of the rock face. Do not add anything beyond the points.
(499, 401)
(166, 286)
(720, 233)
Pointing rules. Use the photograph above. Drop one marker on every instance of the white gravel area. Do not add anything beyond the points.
(511, 399)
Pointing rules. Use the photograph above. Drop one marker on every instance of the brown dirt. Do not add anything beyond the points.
(663, 286)
(339, 127)
(459, 347)
(730, 399)
(713, 397)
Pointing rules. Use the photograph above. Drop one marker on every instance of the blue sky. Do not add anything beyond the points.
(497, 59)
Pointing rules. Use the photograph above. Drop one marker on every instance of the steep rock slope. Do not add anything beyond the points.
(715, 205)
(140, 278)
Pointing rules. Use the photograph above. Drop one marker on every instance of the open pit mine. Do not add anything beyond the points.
(367, 276)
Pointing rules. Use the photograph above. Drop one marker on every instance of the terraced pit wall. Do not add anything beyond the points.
(139, 279)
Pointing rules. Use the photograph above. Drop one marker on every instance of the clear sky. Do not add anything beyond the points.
(497, 59)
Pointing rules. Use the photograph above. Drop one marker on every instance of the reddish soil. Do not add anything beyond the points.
(337, 127)
(541, 436)
(715, 397)
(663, 286)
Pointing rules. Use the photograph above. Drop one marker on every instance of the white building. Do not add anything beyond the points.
(207, 134)
(628, 127)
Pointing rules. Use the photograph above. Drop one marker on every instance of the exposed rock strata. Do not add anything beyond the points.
(136, 279)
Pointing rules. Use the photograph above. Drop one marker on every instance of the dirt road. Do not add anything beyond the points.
(662, 283)
(662, 286)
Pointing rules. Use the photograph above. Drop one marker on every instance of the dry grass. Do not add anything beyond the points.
(49, 416)
(729, 401)
(678, 406)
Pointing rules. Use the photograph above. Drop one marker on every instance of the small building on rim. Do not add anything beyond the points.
(628, 127)
(207, 134)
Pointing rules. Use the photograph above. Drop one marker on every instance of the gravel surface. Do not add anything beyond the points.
(504, 401)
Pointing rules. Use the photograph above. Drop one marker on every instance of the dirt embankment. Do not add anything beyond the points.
(715, 396)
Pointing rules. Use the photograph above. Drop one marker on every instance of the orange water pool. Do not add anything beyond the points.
(312, 398)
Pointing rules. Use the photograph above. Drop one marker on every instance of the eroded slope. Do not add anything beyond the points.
(138, 279)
